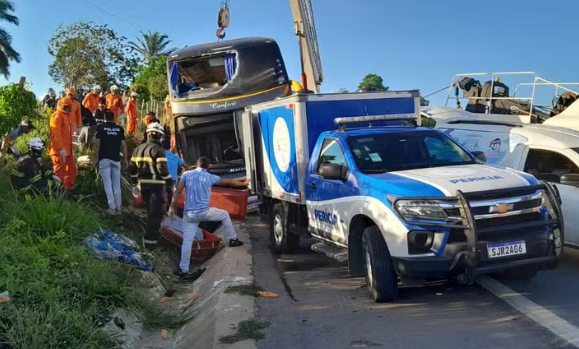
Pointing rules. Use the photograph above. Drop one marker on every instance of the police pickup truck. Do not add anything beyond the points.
(399, 202)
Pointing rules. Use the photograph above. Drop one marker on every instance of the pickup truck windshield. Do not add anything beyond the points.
(386, 152)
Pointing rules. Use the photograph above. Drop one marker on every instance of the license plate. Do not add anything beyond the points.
(506, 249)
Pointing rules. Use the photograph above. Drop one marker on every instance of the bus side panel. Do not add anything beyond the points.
(278, 137)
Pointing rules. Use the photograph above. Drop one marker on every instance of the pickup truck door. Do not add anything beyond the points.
(325, 213)
(516, 159)
(549, 164)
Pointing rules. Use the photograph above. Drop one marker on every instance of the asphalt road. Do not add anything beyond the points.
(320, 306)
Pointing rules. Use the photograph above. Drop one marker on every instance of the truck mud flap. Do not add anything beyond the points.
(472, 268)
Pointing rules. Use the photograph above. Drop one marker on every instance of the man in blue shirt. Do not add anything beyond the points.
(174, 163)
(197, 184)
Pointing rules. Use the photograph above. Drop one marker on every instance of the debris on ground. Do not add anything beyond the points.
(252, 290)
(268, 294)
(164, 334)
(108, 245)
(120, 323)
(247, 329)
(5, 297)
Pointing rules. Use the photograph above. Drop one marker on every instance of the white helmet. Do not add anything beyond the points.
(156, 127)
(114, 88)
(96, 88)
(35, 144)
(134, 94)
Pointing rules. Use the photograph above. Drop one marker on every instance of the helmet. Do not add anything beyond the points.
(50, 89)
(65, 101)
(134, 94)
(35, 144)
(62, 93)
(96, 88)
(156, 127)
(114, 88)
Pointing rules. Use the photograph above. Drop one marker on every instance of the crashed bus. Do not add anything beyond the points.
(210, 85)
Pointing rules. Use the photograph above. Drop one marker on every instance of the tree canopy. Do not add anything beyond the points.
(153, 77)
(151, 44)
(86, 54)
(16, 104)
(373, 80)
(7, 52)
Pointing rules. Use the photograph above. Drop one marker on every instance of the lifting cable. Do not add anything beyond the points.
(222, 19)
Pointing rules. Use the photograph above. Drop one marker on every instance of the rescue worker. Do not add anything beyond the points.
(197, 184)
(49, 100)
(132, 113)
(115, 102)
(148, 170)
(89, 126)
(175, 165)
(149, 119)
(76, 111)
(60, 148)
(28, 171)
(92, 99)
(99, 114)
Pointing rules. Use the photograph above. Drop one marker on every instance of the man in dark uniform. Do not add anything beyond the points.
(149, 170)
(28, 172)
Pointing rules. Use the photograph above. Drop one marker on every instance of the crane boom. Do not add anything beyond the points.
(305, 28)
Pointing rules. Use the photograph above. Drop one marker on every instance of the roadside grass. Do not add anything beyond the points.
(246, 290)
(247, 329)
(61, 295)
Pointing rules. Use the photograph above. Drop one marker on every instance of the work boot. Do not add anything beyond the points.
(235, 243)
(189, 276)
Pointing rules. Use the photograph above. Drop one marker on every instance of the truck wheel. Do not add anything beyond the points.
(282, 240)
(381, 277)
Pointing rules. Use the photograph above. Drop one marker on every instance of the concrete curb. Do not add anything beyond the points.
(217, 313)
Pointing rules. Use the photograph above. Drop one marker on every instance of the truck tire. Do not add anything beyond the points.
(381, 277)
(281, 240)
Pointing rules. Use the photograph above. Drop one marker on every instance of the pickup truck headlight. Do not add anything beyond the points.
(420, 209)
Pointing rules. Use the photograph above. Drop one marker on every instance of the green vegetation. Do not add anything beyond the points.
(248, 329)
(16, 104)
(373, 80)
(151, 44)
(152, 78)
(7, 52)
(86, 54)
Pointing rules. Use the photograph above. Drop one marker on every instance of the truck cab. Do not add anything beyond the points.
(397, 201)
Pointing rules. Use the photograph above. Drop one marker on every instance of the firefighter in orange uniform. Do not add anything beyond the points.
(60, 148)
(75, 113)
(132, 113)
(115, 102)
(92, 99)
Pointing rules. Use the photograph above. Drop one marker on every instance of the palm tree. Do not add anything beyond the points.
(7, 53)
(151, 45)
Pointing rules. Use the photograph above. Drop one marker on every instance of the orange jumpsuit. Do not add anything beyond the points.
(132, 113)
(115, 104)
(75, 115)
(91, 101)
(61, 131)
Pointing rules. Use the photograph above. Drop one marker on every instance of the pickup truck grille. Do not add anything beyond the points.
(457, 234)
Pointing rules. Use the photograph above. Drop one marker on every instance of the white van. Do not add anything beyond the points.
(550, 153)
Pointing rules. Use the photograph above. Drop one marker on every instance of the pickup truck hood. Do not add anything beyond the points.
(447, 180)
(468, 178)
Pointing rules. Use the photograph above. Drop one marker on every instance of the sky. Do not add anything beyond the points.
(418, 44)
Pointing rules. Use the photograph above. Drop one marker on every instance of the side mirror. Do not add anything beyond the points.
(571, 179)
(332, 171)
(480, 155)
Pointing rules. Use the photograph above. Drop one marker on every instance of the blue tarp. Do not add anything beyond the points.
(174, 78)
(108, 245)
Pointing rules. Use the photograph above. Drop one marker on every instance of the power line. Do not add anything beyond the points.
(113, 15)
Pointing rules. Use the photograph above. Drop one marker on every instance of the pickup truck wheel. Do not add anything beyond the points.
(381, 278)
(281, 239)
